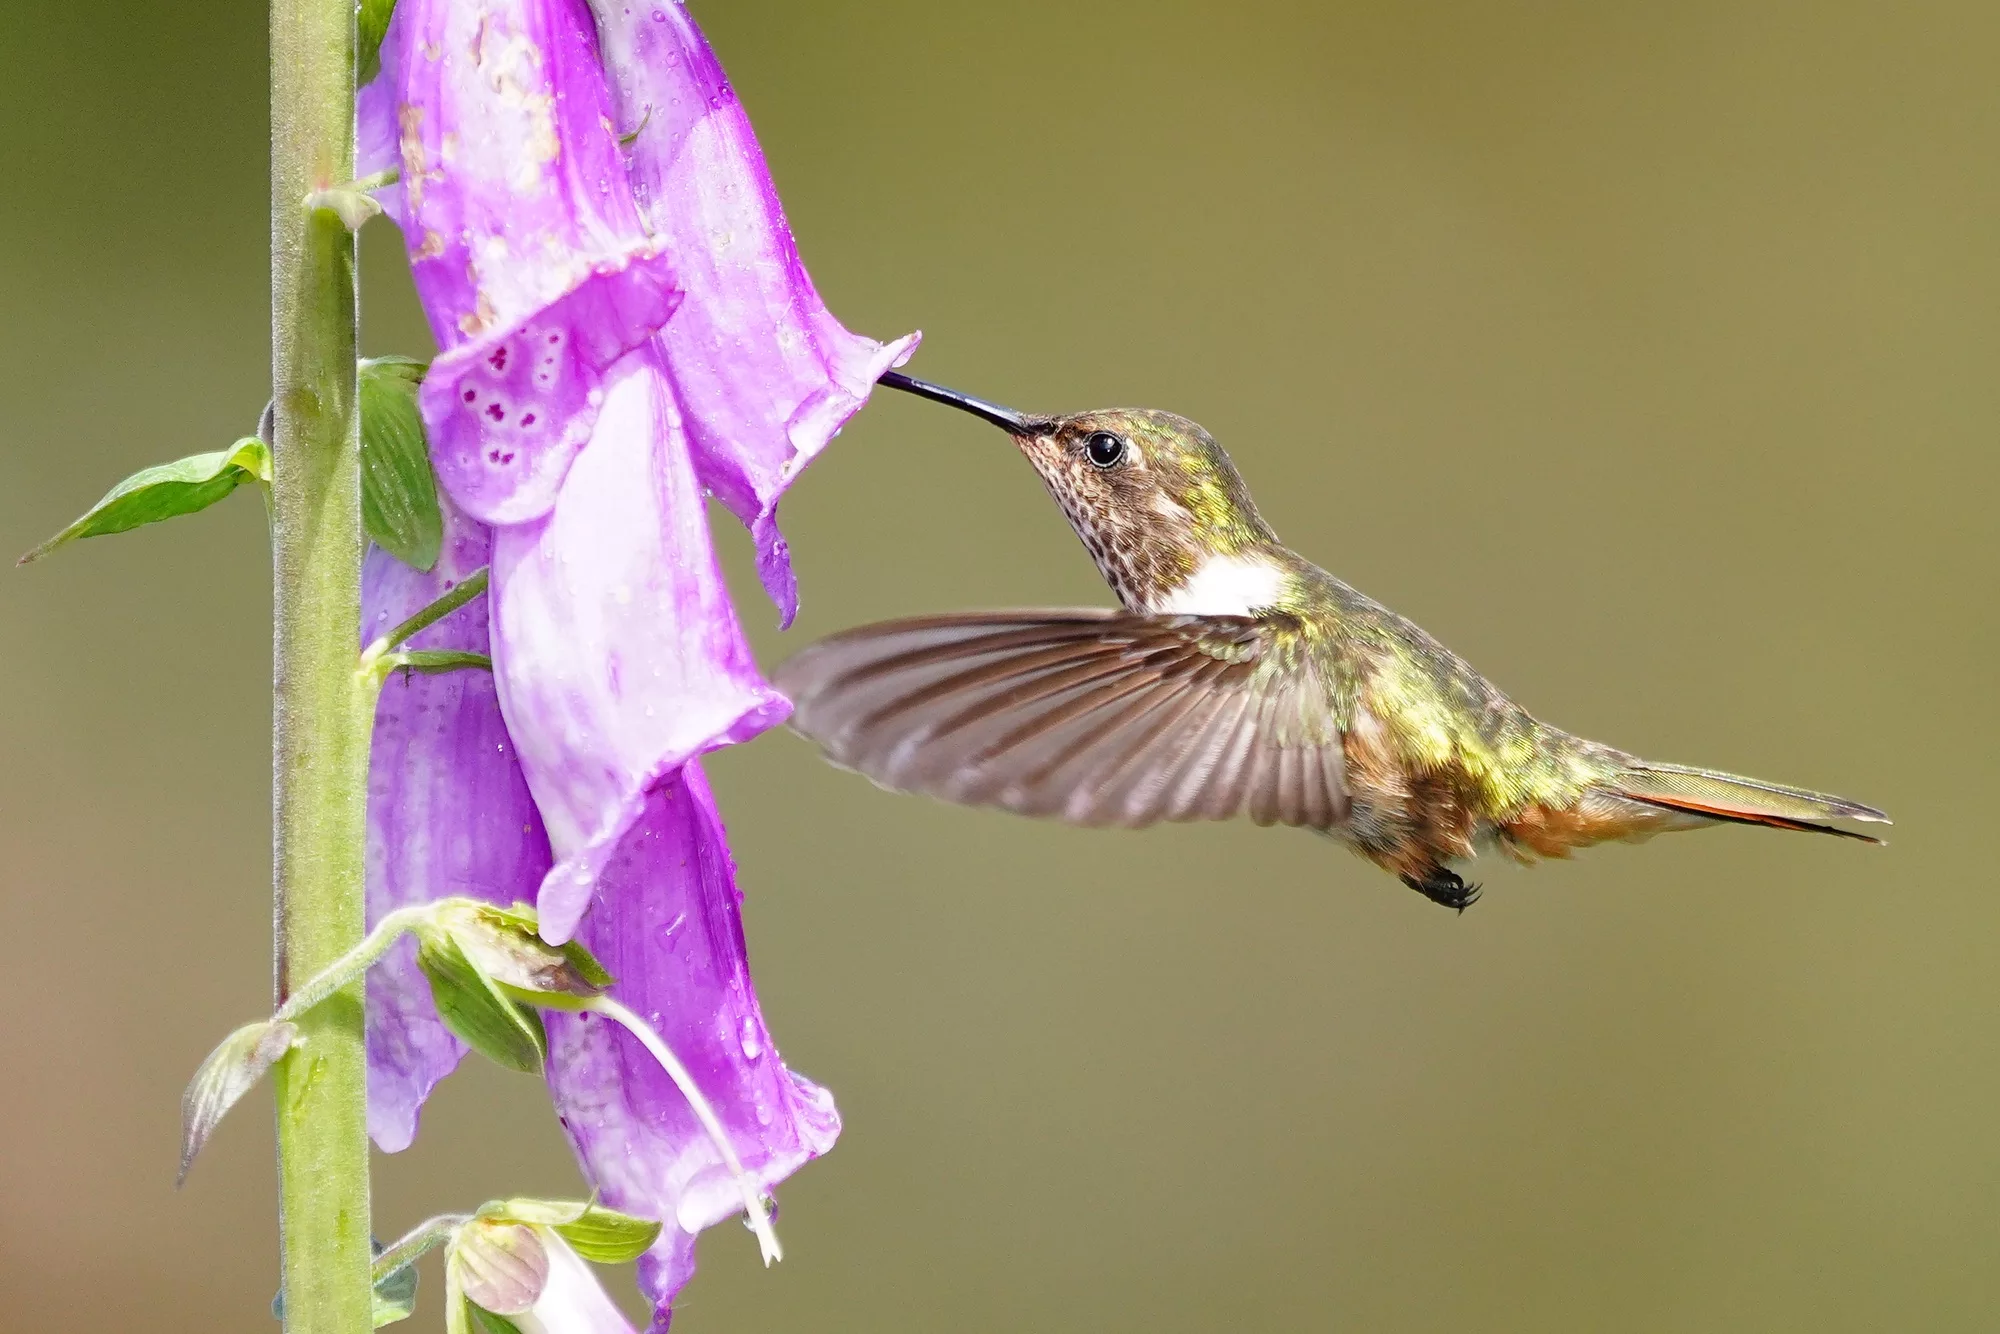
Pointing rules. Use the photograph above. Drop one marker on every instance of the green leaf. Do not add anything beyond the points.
(399, 500)
(165, 492)
(489, 1323)
(373, 21)
(396, 1296)
(476, 1010)
(230, 1071)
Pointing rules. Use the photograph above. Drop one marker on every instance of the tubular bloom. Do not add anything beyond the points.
(624, 324)
(448, 813)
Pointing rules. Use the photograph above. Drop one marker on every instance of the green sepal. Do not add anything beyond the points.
(166, 492)
(485, 1321)
(482, 1016)
(457, 1310)
(353, 206)
(371, 23)
(230, 1071)
(396, 1296)
(600, 1235)
(399, 499)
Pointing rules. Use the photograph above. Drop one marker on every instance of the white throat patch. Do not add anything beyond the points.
(1225, 586)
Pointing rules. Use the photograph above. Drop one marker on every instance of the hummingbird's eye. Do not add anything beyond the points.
(1104, 449)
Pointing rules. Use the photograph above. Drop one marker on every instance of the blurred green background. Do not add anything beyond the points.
(1643, 353)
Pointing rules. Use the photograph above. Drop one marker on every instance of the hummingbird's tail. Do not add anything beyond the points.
(1720, 796)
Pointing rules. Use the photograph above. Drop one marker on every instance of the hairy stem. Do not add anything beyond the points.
(322, 716)
(349, 967)
(411, 1246)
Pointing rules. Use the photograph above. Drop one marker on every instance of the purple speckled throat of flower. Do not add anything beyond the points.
(623, 324)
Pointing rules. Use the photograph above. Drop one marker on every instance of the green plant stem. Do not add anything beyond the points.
(349, 967)
(410, 1248)
(322, 715)
(466, 590)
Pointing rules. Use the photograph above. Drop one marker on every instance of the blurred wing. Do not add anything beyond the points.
(1095, 717)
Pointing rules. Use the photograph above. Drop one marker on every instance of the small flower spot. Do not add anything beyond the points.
(472, 395)
(498, 359)
(527, 419)
(496, 412)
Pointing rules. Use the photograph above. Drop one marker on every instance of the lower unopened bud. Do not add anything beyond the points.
(501, 1266)
(504, 1274)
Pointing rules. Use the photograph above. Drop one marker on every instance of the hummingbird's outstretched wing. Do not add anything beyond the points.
(1096, 717)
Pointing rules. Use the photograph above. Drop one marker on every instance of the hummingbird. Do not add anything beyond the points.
(1236, 678)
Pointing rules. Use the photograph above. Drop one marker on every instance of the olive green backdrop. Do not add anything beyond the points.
(1643, 353)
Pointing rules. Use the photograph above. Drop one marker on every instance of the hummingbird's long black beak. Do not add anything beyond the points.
(1015, 423)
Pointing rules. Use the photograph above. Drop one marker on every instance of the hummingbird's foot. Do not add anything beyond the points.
(1444, 887)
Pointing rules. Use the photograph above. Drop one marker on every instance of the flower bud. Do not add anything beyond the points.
(507, 1273)
(499, 1265)
(489, 971)
(506, 946)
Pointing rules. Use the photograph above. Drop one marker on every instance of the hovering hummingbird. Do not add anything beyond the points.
(1239, 679)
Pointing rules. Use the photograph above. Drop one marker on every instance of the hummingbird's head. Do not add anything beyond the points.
(1151, 494)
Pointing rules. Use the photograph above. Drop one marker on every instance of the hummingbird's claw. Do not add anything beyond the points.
(1445, 887)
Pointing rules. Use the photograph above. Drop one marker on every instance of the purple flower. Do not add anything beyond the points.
(765, 374)
(618, 653)
(448, 813)
(622, 328)
(667, 925)
(526, 249)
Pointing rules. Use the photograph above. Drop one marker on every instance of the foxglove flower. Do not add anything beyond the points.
(448, 813)
(619, 661)
(618, 654)
(525, 246)
(619, 331)
(668, 926)
(764, 372)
